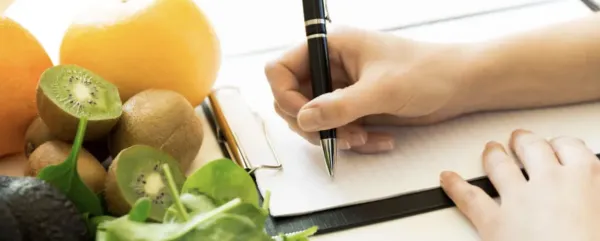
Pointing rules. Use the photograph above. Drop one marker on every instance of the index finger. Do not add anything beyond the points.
(284, 76)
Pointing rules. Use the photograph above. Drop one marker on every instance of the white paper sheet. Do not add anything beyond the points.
(422, 153)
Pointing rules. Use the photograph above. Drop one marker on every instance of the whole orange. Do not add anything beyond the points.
(143, 44)
(22, 61)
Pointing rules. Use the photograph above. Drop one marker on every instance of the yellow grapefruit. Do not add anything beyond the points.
(143, 44)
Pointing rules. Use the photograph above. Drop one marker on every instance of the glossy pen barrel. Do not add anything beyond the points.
(320, 74)
(316, 34)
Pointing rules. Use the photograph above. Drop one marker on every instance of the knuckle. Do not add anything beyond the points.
(566, 140)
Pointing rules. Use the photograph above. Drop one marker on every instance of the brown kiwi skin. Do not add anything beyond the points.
(115, 202)
(38, 133)
(53, 152)
(162, 119)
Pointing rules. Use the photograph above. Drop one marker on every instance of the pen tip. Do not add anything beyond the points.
(330, 152)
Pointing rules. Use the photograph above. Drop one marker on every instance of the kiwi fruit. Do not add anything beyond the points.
(67, 93)
(37, 134)
(54, 152)
(137, 172)
(162, 119)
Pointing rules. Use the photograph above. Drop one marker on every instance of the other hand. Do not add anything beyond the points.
(560, 201)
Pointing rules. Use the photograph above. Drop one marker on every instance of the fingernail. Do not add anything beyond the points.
(516, 134)
(494, 150)
(359, 139)
(308, 119)
(385, 145)
(343, 144)
(444, 175)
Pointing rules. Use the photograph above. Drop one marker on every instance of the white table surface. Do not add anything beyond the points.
(261, 30)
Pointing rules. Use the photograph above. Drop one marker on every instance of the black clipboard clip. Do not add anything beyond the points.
(227, 136)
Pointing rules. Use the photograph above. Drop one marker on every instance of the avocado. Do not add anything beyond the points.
(9, 227)
(43, 212)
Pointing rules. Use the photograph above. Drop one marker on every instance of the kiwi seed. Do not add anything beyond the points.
(137, 172)
(53, 152)
(66, 93)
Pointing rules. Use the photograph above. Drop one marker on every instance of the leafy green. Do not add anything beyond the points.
(194, 204)
(124, 228)
(218, 202)
(222, 180)
(65, 177)
(141, 211)
(299, 236)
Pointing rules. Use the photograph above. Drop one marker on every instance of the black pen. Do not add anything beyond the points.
(315, 16)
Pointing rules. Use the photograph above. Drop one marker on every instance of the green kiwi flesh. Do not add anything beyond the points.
(66, 93)
(137, 172)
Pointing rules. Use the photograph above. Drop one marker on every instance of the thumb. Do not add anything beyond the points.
(338, 108)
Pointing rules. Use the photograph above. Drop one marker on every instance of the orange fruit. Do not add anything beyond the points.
(22, 60)
(143, 44)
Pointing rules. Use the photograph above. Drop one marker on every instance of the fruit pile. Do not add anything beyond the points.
(135, 45)
(162, 119)
(110, 132)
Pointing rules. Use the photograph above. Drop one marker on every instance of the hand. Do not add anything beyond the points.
(560, 201)
(380, 79)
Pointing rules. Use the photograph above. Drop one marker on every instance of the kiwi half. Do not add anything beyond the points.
(66, 93)
(137, 172)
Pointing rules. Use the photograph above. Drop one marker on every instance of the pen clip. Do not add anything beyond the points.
(327, 17)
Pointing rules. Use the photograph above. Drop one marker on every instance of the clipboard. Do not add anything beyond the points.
(334, 219)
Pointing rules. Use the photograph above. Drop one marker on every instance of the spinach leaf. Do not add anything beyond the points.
(299, 236)
(194, 204)
(229, 227)
(140, 210)
(222, 180)
(126, 229)
(197, 204)
(65, 177)
(94, 222)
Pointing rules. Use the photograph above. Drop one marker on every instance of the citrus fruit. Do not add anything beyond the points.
(22, 60)
(146, 44)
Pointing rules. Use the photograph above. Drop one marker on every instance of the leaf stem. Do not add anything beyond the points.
(77, 143)
(175, 193)
(266, 200)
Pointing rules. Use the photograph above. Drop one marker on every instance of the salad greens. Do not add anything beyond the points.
(65, 177)
(218, 202)
(197, 217)
(222, 180)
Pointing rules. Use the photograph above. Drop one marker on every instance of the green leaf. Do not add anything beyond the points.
(222, 180)
(194, 204)
(299, 236)
(229, 227)
(125, 229)
(64, 176)
(140, 210)
(198, 204)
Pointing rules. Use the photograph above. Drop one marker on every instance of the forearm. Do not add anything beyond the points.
(556, 65)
